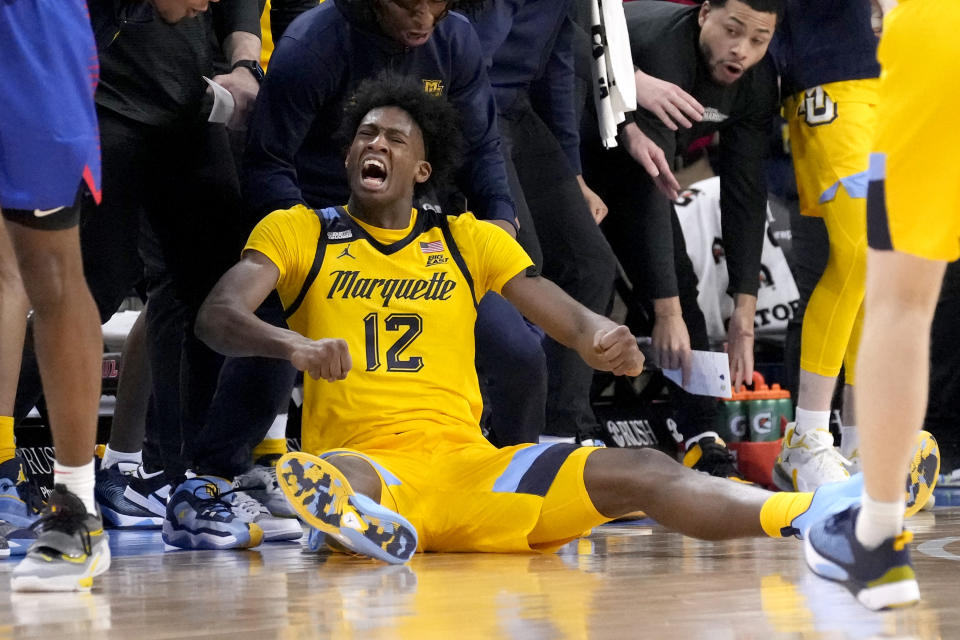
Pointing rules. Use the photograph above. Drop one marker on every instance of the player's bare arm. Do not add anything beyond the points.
(227, 323)
(602, 343)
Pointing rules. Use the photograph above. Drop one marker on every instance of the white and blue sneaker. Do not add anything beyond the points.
(880, 578)
(200, 517)
(118, 510)
(324, 499)
(20, 499)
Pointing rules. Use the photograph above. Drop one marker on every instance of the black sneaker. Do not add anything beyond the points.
(118, 510)
(709, 454)
(150, 491)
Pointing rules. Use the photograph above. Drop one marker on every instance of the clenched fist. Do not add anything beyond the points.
(327, 358)
(616, 350)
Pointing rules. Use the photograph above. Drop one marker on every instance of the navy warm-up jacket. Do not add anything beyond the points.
(292, 155)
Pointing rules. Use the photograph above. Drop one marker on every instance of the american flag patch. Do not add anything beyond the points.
(432, 247)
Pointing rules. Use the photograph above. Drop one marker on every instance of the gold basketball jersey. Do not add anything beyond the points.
(405, 303)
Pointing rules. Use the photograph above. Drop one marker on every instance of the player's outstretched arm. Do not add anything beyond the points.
(227, 323)
(602, 343)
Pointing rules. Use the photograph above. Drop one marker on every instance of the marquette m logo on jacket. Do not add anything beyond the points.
(433, 87)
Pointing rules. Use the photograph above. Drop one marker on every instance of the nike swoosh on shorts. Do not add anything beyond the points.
(46, 212)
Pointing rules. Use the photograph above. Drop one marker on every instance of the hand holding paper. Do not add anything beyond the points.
(223, 103)
(709, 374)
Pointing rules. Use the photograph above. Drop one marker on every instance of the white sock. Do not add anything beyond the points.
(278, 430)
(849, 440)
(78, 480)
(111, 457)
(811, 420)
(878, 521)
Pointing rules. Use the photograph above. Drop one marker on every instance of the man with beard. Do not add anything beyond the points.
(712, 57)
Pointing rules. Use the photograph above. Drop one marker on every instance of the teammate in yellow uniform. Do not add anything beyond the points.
(913, 228)
(826, 52)
(381, 300)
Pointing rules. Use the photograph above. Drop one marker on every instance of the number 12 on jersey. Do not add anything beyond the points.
(412, 326)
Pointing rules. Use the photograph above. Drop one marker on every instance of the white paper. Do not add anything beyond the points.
(709, 374)
(223, 103)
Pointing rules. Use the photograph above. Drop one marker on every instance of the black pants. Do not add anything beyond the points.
(575, 254)
(512, 368)
(810, 249)
(943, 409)
(627, 190)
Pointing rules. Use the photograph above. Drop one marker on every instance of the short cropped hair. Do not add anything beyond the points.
(439, 123)
(763, 6)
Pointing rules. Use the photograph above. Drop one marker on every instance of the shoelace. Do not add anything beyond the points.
(214, 503)
(821, 446)
(246, 505)
(62, 517)
(267, 475)
(274, 483)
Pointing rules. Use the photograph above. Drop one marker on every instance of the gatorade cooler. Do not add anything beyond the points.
(766, 410)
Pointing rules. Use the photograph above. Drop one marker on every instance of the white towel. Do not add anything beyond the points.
(614, 88)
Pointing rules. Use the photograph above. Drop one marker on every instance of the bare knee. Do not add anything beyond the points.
(359, 473)
(614, 478)
(901, 287)
(50, 277)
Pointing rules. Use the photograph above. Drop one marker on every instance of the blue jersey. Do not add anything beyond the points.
(49, 140)
(823, 41)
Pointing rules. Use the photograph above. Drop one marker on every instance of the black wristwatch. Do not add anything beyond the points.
(253, 66)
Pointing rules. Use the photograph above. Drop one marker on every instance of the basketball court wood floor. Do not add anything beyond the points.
(626, 580)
